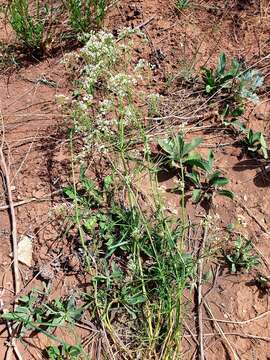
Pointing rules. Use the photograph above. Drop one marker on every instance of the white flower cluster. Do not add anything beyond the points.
(106, 106)
(106, 74)
(99, 54)
(128, 31)
(121, 84)
(142, 64)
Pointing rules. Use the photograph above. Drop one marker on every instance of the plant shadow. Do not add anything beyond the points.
(262, 178)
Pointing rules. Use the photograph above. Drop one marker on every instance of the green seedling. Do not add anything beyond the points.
(182, 4)
(178, 153)
(241, 256)
(255, 143)
(88, 195)
(209, 183)
(235, 82)
(220, 78)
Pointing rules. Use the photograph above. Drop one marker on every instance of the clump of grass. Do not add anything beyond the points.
(138, 269)
(29, 28)
(83, 14)
(36, 24)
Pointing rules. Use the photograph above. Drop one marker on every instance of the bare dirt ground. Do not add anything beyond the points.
(39, 161)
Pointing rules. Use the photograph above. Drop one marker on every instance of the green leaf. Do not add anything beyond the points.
(136, 299)
(200, 163)
(108, 180)
(226, 193)
(221, 64)
(191, 146)
(210, 160)
(70, 193)
(194, 177)
(217, 180)
(197, 195)
(166, 145)
(90, 224)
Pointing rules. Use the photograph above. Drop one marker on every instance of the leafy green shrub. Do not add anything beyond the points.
(138, 270)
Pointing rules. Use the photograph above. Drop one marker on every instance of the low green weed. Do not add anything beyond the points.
(241, 256)
(178, 153)
(181, 155)
(209, 183)
(36, 315)
(237, 83)
(255, 143)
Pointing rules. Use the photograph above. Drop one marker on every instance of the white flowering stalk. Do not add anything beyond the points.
(105, 104)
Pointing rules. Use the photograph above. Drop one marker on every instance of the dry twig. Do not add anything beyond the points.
(199, 294)
(5, 171)
(240, 322)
